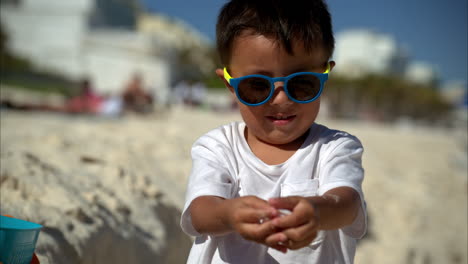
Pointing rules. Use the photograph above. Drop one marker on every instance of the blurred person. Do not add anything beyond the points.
(198, 94)
(180, 92)
(112, 106)
(191, 93)
(135, 98)
(87, 101)
(277, 187)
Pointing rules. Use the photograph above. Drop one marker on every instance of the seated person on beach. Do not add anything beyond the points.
(276, 187)
(135, 98)
(86, 102)
(89, 102)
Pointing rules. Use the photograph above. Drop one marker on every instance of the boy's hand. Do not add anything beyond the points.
(249, 217)
(299, 228)
(335, 209)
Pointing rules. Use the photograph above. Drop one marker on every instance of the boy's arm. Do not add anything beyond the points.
(335, 209)
(208, 214)
(212, 215)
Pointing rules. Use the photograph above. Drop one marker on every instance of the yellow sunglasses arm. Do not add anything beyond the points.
(328, 68)
(227, 76)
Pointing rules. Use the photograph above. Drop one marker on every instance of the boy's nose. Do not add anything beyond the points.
(279, 95)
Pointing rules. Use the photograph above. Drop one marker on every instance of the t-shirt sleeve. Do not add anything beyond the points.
(209, 176)
(342, 167)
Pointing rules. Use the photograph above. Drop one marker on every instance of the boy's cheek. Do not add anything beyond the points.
(231, 90)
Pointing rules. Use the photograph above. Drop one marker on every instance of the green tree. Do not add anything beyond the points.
(384, 98)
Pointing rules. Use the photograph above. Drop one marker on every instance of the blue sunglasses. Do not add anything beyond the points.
(300, 87)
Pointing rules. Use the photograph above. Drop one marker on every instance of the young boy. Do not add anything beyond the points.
(276, 188)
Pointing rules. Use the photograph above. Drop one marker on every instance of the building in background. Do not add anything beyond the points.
(456, 92)
(360, 51)
(107, 41)
(422, 73)
(49, 33)
(187, 48)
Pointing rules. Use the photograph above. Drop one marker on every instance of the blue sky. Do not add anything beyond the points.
(433, 31)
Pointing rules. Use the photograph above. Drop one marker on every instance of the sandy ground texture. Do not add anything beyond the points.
(111, 190)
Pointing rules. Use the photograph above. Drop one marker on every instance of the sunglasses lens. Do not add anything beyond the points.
(304, 87)
(254, 90)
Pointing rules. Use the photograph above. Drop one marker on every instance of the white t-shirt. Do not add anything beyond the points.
(224, 165)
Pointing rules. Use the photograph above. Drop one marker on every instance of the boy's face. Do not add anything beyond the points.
(279, 121)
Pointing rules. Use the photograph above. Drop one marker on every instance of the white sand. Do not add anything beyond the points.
(110, 191)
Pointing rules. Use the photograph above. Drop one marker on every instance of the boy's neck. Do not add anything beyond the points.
(273, 154)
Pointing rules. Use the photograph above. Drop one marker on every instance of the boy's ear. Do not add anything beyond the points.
(332, 64)
(220, 74)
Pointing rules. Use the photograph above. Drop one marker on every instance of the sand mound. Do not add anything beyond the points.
(111, 190)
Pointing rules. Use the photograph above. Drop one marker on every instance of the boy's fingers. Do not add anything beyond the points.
(255, 215)
(251, 209)
(257, 203)
(283, 241)
(276, 239)
(301, 236)
(303, 213)
(289, 221)
(291, 244)
(284, 202)
(257, 232)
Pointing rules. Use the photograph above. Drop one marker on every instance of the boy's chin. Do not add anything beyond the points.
(277, 138)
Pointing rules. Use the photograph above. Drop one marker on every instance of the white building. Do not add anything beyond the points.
(58, 36)
(182, 39)
(49, 33)
(423, 73)
(112, 57)
(361, 51)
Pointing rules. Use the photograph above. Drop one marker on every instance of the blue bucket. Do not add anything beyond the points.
(17, 240)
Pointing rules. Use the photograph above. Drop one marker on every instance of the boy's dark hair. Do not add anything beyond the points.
(305, 20)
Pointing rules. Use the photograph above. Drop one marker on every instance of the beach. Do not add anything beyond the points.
(110, 190)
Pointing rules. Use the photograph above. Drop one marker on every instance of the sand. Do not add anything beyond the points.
(111, 190)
